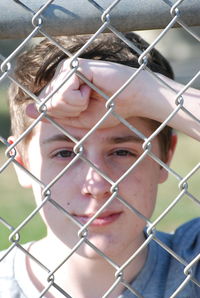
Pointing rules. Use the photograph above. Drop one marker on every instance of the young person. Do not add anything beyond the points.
(82, 190)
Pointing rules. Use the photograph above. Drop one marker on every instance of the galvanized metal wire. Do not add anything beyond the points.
(7, 65)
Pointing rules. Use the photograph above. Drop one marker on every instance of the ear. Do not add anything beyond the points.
(170, 154)
(23, 178)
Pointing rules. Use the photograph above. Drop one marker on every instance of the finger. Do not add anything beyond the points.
(32, 112)
(85, 92)
(74, 97)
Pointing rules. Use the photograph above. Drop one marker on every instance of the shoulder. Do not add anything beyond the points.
(186, 239)
(186, 246)
(173, 252)
(7, 263)
(7, 278)
(9, 285)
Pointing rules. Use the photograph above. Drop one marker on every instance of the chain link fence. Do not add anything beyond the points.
(104, 14)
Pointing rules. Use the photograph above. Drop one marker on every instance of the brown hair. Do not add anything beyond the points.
(36, 67)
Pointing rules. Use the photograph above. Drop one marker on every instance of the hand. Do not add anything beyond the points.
(76, 104)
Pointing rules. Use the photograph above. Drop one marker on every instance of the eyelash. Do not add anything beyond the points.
(70, 153)
(127, 153)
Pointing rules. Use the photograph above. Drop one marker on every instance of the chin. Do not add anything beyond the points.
(104, 244)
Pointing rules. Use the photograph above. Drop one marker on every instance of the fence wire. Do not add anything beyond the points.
(7, 65)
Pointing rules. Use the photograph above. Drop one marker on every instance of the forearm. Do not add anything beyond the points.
(158, 102)
(148, 97)
(76, 105)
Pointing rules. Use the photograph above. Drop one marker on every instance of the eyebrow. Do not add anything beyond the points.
(126, 139)
(59, 137)
(112, 140)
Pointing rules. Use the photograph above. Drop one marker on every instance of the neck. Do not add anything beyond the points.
(77, 275)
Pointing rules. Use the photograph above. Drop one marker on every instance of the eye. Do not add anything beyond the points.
(124, 152)
(64, 153)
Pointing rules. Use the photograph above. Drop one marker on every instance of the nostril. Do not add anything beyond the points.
(95, 185)
(98, 190)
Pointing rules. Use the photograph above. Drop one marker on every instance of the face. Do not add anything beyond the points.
(82, 191)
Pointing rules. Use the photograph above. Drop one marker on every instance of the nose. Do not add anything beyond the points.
(95, 186)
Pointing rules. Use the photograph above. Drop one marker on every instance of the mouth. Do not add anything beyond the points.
(103, 219)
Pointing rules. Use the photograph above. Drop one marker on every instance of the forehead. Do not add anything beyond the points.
(137, 130)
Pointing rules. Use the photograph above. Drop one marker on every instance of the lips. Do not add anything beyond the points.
(103, 219)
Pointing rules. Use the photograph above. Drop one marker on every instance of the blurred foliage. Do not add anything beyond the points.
(15, 205)
(4, 116)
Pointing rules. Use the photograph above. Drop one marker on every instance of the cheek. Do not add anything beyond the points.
(66, 190)
(150, 200)
(139, 188)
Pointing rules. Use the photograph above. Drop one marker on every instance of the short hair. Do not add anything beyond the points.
(36, 67)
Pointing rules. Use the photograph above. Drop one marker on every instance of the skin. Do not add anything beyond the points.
(145, 97)
(82, 191)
